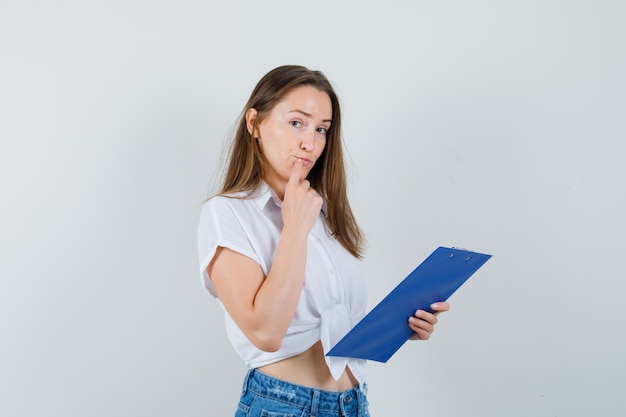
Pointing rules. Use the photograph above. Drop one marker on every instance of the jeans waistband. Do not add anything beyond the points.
(314, 399)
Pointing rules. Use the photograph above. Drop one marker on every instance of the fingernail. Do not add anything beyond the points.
(434, 306)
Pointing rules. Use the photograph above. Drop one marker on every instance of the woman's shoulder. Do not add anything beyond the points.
(224, 211)
(223, 201)
(232, 201)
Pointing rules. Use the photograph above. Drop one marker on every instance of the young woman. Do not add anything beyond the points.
(280, 249)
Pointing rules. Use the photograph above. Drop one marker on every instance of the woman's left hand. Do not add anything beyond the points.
(423, 322)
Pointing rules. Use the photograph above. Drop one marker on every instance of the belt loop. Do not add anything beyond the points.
(342, 410)
(345, 398)
(362, 400)
(315, 402)
(244, 389)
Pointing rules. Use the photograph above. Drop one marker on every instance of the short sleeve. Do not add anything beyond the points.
(220, 225)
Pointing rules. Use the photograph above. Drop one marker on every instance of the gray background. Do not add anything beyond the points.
(492, 125)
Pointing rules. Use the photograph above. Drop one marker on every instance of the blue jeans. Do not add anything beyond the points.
(265, 396)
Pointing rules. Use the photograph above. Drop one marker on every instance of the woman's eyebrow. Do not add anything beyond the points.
(308, 115)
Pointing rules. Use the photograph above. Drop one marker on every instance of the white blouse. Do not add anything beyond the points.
(334, 295)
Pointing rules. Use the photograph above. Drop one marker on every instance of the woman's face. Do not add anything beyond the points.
(294, 130)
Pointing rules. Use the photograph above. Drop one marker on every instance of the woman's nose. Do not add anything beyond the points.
(307, 141)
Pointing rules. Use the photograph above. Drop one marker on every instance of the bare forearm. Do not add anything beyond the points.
(275, 303)
(264, 306)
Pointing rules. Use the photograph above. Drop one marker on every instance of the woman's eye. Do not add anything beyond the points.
(296, 123)
(322, 130)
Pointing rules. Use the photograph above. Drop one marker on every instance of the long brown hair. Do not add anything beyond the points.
(247, 166)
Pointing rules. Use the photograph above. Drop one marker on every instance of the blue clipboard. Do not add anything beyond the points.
(385, 329)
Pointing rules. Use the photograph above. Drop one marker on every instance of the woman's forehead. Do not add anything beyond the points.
(307, 101)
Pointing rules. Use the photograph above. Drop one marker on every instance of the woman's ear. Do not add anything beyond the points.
(251, 115)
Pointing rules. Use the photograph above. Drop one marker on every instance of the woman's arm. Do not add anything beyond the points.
(263, 307)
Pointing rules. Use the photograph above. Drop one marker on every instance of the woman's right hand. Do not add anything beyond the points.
(301, 204)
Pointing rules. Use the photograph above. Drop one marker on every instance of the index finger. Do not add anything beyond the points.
(440, 307)
(295, 172)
